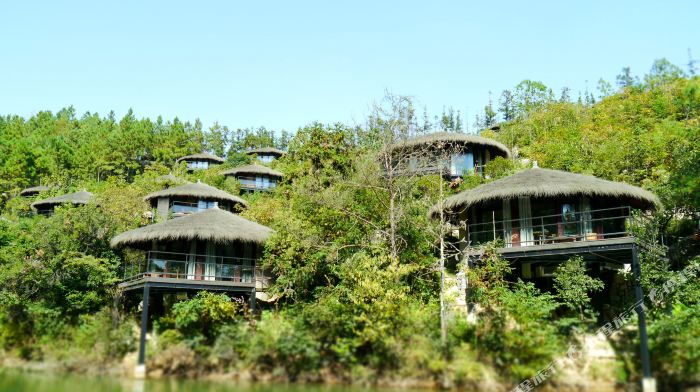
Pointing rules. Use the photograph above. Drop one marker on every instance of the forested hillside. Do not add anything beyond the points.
(354, 256)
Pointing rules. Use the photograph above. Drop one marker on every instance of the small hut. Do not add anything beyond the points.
(255, 177)
(540, 206)
(462, 154)
(212, 245)
(33, 191)
(200, 161)
(212, 250)
(266, 154)
(190, 198)
(46, 206)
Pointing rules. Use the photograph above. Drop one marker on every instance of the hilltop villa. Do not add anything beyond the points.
(462, 154)
(200, 161)
(47, 206)
(190, 198)
(266, 154)
(540, 218)
(255, 177)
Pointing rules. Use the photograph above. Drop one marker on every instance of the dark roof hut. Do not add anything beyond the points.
(33, 191)
(77, 198)
(266, 151)
(204, 156)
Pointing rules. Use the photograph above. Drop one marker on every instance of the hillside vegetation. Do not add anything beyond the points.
(356, 294)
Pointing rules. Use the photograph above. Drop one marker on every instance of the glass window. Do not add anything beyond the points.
(462, 163)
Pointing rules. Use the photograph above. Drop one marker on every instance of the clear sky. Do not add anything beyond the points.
(285, 64)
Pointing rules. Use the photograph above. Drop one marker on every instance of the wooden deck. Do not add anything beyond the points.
(613, 249)
(186, 284)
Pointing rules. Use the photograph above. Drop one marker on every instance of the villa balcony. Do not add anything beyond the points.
(609, 229)
(256, 184)
(185, 270)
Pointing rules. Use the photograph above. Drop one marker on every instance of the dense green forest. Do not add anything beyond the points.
(356, 290)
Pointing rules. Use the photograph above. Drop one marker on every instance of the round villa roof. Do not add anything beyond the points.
(204, 156)
(199, 190)
(33, 190)
(82, 197)
(451, 137)
(266, 150)
(253, 169)
(209, 225)
(538, 182)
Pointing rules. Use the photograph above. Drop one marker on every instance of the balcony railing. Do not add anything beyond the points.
(590, 225)
(195, 267)
(252, 183)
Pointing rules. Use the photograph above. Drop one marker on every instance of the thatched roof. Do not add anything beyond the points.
(253, 169)
(209, 225)
(198, 190)
(34, 190)
(266, 151)
(205, 156)
(453, 138)
(538, 182)
(82, 197)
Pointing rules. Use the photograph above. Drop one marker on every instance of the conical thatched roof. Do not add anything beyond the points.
(253, 169)
(209, 225)
(537, 182)
(198, 190)
(266, 150)
(205, 156)
(450, 137)
(34, 190)
(82, 197)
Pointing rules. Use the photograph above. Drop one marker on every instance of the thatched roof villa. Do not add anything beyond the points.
(466, 153)
(266, 154)
(200, 161)
(46, 206)
(192, 197)
(255, 177)
(33, 191)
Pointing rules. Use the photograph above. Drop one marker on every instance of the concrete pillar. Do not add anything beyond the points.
(648, 383)
(163, 209)
(140, 371)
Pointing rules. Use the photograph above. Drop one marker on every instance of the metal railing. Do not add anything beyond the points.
(435, 169)
(173, 265)
(251, 183)
(590, 225)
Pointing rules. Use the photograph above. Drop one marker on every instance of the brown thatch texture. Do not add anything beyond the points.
(451, 138)
(539, 182)
(209, 225)
(252, 169)
(34, 190)
(82, 197)
(205, 156)
(266, 151)
(197, 190)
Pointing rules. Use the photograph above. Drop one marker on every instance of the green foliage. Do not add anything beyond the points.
(201, 317)
(573, 286)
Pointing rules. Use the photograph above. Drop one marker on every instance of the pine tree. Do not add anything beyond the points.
(507, 105)
(625, 79)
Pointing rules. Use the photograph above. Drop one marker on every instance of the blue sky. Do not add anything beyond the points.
(286, 64)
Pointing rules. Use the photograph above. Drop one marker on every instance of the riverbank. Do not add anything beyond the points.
(249, 379)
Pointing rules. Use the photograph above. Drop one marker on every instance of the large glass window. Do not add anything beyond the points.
(462, 163)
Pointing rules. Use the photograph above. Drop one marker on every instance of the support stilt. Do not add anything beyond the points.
(251, 301)
(140, 371)
(648, 383)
